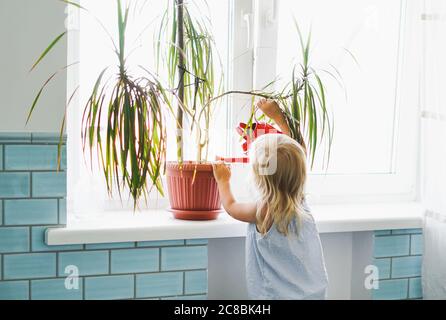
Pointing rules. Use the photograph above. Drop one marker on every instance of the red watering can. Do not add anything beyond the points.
(249, 134)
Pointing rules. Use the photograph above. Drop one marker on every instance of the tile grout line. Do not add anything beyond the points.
(2, 275)
(402, 256)
(159, 259)
(53, 170)
(109, 262)
(28, 198)
(33, 225)
(31, 185)
(402, 278)
(391, 265)
(126, 274)
(83, 288)
(30, 241)
(184, 283)
(29, 290)
(134, 286)
(3, 157)
(57, 264)
(95, 250)
(397, 234)
(58, 211)
(407, 293)
(408, 288)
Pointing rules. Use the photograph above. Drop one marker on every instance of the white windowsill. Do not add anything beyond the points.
(155, 225)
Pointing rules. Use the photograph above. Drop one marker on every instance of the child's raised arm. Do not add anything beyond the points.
(241, 211)
(272, 110)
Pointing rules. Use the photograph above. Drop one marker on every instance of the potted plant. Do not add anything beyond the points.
(189, 53)
(131, 146)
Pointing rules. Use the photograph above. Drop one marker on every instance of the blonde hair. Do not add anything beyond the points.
(280, 171)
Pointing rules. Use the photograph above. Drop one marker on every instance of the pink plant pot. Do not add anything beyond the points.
(193, 191)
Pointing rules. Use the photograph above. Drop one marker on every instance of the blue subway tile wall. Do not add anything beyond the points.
(392, 289)
(405, 267)
(32, 199)
(196, 282)
(49, 184)
(87, 262)
(31, 212)
(14, 240)
(134, 260)
(416, 244)
(15, 184)
(29, 266)
(14, 290)
(55, 289)
(383, 266)
(398, 257)
(111, 287)
(1, 158)
(178, 258)
(415, 291)
(159, 284)
(392, 246)
(26, 157)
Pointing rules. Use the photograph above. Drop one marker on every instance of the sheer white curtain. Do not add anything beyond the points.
(434, 149)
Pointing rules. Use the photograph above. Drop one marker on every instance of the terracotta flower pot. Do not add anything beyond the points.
(193, 191)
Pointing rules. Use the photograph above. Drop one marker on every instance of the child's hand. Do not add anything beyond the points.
(270, 108)
(222, 173)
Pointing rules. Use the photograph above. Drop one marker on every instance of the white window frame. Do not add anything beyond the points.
(254, 42)
(400, 183)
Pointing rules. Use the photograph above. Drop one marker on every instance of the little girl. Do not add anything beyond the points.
(283, 251)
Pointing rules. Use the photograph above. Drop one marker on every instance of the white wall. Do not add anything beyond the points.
(26, 28)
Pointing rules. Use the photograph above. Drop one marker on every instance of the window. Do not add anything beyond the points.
(375, 151)
(93, 47)
(374, 45)
(365, 109)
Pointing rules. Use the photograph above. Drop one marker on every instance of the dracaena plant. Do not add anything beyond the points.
(123, 120)
(185, 44)
(301, 103)
(304, 105)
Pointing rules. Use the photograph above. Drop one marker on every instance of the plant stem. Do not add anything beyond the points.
(252, 93)
(181, 68)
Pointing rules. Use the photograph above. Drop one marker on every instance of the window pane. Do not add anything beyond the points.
(364, 113)
(144, 18)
